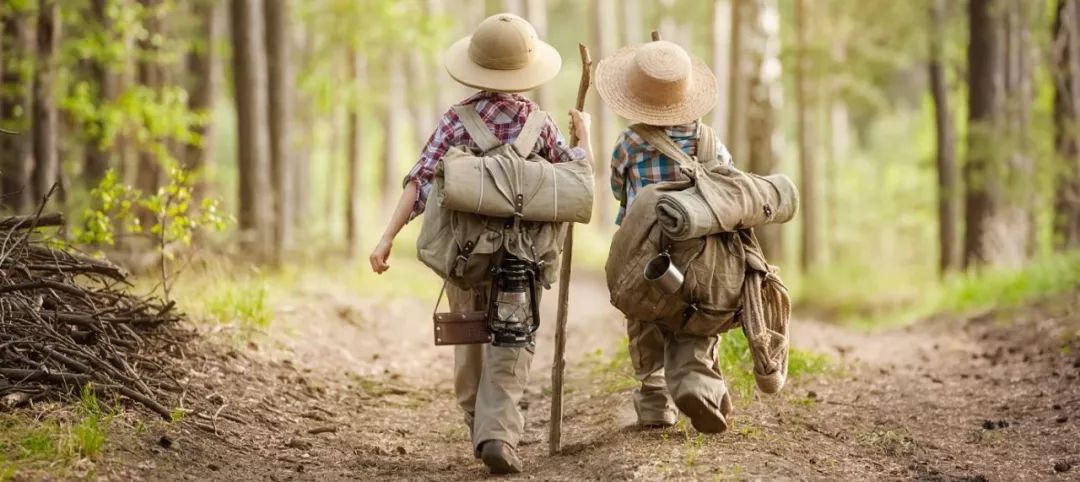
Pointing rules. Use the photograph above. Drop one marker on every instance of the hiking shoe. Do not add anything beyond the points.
(704, 415)
(664, 421)
(500, 457)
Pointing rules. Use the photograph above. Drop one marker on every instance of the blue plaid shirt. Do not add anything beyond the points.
(636, 164)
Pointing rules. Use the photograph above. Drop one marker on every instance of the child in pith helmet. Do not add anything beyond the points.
(502, 58)
(659, 85)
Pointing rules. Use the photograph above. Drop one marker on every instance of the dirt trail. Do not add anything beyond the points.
(954, 400)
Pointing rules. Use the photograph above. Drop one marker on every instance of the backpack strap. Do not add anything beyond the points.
(706, 147)
(530, 133)
(658, 139)
(475, 126)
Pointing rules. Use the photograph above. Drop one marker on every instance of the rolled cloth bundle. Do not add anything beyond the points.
(490, 185)
(726, 201)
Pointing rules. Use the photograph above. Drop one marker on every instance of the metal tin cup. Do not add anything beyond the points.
(663, 274)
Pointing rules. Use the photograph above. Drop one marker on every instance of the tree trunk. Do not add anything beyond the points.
(45, 121)
(305, 114)
(721, 56)
(765, 93)
(279, 62)
(513, 6)
(96, 160)
(536, 14)
(16, 160)
(393, 121)
(1015, 222)
(358, 75)
(253, 143)
(948, 228)
(742, 12)
(632, 23)
(1066, 126)
(603, 37)
(984, 111)
(811, 235)
(150, 74)
(446, 90)
(204, 70)
(420, 99)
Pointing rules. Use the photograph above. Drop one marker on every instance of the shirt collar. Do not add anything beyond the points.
(683, 130)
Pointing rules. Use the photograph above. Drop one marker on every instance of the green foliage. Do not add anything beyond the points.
(177, 415)
(243, 303)
(176, 217)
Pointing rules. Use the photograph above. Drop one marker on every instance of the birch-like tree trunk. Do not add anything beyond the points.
(253, 142)
(810, 249)
(280, 90)
(764, 96)
(603, 35)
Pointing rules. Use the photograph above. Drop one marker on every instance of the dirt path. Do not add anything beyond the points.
(978, 399)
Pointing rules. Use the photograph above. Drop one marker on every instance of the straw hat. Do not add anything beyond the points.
(657, 83)
(504, 55)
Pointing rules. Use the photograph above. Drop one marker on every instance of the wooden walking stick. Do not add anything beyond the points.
(555, 434)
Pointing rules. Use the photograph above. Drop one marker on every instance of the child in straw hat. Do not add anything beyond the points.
(660, 85)
(501, 58)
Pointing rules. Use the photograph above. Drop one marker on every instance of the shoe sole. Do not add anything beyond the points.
(705, 417)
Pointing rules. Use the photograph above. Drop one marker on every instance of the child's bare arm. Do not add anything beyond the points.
(380, 256)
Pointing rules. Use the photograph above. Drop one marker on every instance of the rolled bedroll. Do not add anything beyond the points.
(494, 185)
(726, 201)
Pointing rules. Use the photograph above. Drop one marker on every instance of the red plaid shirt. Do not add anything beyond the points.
(505, 115)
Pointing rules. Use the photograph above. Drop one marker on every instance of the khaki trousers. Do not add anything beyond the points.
(489, 381)
(675, 370)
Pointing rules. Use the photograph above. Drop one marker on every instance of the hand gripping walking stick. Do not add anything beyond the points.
(559, 365)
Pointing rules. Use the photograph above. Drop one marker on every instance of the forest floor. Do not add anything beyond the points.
(994, 396)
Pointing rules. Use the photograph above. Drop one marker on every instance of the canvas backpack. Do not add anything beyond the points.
(727, 280)
(713, 266)
(461, 246)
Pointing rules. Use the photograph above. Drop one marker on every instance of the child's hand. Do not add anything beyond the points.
(380, 257)
(580, 125)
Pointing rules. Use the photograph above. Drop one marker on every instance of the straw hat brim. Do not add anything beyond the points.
(613, 84)
(545, 65)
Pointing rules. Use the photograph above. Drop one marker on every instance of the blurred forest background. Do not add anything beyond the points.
(935, 141)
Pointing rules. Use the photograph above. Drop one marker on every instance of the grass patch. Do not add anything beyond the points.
(737, 365)
(876, 299)
(615, 372)
(890, 442)
(242, 303)
(50, 447)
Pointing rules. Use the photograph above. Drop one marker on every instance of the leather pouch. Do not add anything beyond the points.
(467, 328)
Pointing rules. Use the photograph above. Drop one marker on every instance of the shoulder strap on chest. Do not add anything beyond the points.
(658, 139)
(530, 133)
(476, 127)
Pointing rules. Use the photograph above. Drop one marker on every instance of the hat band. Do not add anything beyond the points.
(509, 62)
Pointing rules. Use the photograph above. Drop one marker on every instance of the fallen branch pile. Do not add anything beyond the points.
(66, 322)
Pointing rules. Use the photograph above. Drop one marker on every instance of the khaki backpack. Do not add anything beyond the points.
(727, 281)
(461, 246)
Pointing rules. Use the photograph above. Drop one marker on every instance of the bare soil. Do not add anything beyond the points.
(346, 388)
